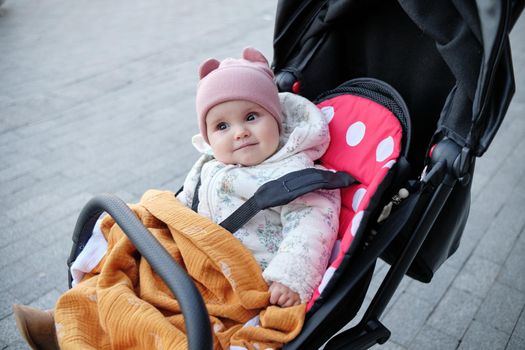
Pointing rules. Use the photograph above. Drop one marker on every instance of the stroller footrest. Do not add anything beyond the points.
(360, 337)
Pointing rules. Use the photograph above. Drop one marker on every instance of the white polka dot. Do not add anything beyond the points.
(355, 133)
(328, 112)
(356, 221)
(358, 196)
(385, 149)
(326, 278)
(335, 251)
(389, 164)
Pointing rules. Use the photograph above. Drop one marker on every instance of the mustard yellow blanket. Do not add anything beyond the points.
(123, 304)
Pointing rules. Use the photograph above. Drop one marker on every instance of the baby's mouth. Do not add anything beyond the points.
(244, 145)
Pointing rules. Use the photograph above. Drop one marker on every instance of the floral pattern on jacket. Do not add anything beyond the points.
(292, 243)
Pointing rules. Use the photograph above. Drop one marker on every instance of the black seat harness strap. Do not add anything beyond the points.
(282, 191)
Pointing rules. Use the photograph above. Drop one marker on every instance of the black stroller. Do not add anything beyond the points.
(451, 62)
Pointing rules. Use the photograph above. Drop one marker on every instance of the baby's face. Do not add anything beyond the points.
(241, 132)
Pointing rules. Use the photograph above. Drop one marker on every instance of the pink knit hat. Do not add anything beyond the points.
(248, 78)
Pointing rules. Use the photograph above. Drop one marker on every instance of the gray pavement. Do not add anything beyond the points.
(97, 96)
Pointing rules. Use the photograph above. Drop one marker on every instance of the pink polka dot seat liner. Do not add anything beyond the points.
(365, 142)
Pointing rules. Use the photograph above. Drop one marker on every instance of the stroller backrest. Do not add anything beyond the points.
(378, 39)
(366, 141)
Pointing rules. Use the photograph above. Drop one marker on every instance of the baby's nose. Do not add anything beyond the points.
(242, 132)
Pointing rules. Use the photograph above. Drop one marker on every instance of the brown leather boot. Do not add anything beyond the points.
(36, 326)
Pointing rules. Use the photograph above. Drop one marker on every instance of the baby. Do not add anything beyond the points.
(250, 134)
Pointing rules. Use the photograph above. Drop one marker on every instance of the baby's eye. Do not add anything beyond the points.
(251, 116)
(222, 126)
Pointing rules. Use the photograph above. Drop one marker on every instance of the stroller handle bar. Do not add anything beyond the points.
(196, 317)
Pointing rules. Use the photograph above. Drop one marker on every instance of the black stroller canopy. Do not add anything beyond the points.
(449, 59)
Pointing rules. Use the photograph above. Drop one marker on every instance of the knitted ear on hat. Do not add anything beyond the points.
(254, 55)
(208, 66)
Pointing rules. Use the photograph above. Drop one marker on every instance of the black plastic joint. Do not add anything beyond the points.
(285, 80)
(458, 159)
(462, 165)
(382, 333)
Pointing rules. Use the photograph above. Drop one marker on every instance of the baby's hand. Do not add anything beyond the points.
(282, 295)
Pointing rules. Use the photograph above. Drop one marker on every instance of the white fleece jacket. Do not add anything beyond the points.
(292, 243)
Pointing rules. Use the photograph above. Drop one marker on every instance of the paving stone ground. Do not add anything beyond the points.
(97, 96)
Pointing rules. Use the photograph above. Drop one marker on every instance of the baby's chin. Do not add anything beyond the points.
(248, 160)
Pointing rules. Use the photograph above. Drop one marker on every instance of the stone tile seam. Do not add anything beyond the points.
(504, 263)
(486, 324)
(486, 296)
(135, 60)
(10, 314)
(45, 209)
(486, 230)
(433, 328)
(434, 307)
(501, 164)
(460, 338)
(512, 333)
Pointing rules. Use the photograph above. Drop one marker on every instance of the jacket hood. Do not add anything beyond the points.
(304, 129)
